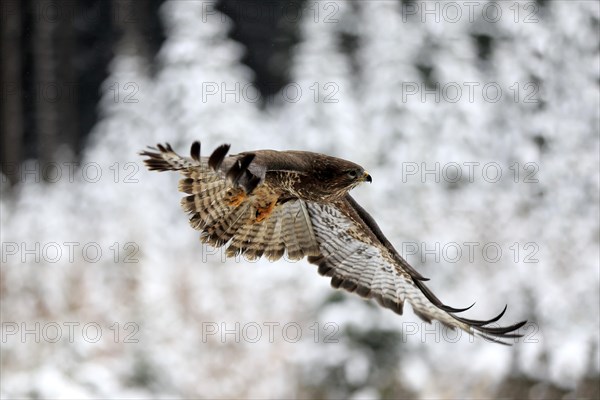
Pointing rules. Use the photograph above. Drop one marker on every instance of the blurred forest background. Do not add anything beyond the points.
(387, 84)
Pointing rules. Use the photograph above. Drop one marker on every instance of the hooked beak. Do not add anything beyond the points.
(366, 177)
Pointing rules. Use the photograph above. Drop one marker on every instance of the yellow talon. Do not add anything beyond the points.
(263, 213)
(237, 199)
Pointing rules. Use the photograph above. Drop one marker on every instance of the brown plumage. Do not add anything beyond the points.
(267, 203)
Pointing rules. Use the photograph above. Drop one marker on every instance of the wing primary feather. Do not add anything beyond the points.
(246, 160)
(437, 302)
(239, 168)
(252, 183)
(165, 159)
(234, 170)
(503, 330)
(195, 151)
(216, 158)
(455, 310)
(428, 293)
(166, 148)
(489, 321)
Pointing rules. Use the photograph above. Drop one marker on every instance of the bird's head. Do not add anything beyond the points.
(338, 176)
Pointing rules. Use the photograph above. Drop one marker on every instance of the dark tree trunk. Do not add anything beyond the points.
(46, 84)
(66, 105)
(11, 122)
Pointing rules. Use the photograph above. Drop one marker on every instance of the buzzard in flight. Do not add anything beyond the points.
(267, 202)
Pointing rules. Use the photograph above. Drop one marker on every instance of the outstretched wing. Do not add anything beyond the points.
(227, 198)
(358, 258)
(229, 202)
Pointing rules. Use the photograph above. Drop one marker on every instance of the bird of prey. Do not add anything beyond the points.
(269, 202)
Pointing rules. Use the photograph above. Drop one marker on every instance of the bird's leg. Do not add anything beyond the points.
(263, 213)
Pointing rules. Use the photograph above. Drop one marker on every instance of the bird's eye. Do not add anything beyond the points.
(353, 174)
